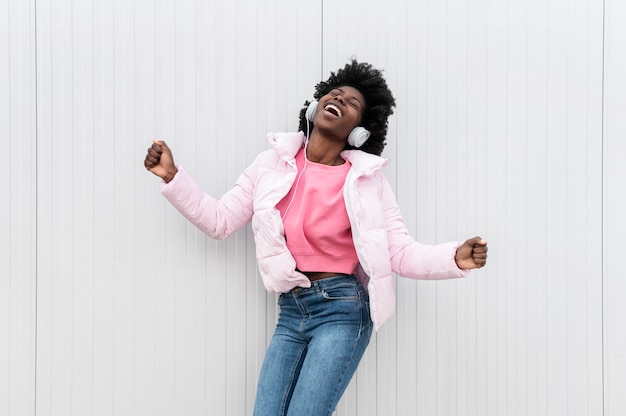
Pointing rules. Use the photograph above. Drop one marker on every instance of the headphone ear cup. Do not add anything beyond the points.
(358, 136)
(310, 110)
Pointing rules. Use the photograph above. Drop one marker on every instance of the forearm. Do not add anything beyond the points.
(216, 218)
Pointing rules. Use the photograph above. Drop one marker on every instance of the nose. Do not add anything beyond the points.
(340, 98)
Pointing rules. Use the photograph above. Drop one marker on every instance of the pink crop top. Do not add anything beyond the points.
(315, 219)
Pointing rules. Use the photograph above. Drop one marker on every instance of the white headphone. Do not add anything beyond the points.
(358, 136)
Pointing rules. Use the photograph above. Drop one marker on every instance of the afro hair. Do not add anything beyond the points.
(379, 101)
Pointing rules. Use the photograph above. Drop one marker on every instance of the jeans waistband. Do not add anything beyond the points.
(316, 285)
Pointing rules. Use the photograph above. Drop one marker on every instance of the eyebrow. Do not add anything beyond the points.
(352, 97)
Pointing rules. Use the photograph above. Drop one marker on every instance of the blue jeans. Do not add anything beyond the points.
(321, 335)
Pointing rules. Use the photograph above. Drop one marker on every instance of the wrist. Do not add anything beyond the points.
(458, 261)
(167, 178)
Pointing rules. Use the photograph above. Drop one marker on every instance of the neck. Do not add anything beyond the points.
(325, 151)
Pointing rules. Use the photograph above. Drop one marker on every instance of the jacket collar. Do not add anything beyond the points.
(364, 163)
(287, 146)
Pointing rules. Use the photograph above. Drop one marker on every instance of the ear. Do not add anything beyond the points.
(358, 136)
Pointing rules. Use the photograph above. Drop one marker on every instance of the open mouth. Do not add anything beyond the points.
(333, 109)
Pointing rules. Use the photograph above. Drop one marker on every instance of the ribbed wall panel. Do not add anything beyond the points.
(18, 206)
(498, 132)
(614, 206)
(139, 312)
(509, 124)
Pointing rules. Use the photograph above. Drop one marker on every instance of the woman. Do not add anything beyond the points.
(328, 236)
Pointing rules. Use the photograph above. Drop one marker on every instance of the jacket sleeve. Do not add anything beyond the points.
(218, 218)
(410, 258)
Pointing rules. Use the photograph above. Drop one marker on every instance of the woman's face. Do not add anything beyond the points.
(340, 111)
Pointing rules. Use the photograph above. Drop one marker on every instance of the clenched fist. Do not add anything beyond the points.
(159, 160)
(472, 254)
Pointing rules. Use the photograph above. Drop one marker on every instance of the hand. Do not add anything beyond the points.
(472, 254)
(159, 160)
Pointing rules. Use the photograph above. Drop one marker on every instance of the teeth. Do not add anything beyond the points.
(336, 109)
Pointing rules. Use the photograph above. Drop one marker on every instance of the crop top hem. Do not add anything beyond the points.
(316, 263)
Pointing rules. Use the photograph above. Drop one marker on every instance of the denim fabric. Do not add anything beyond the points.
(321, 335)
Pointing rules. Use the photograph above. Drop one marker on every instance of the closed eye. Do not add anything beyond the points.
(353, 101)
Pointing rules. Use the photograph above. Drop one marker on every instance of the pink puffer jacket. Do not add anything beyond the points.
(381, 239)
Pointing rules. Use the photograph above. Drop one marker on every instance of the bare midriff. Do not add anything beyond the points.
(313, 276)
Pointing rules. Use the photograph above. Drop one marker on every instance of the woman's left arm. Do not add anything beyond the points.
(410, 258)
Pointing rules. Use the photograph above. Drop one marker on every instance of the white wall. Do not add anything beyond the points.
(509, 125)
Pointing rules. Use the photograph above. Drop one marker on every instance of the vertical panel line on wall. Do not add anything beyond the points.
(602, 193)
(36, 248)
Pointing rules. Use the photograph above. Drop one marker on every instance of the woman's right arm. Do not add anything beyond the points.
(217, 218)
